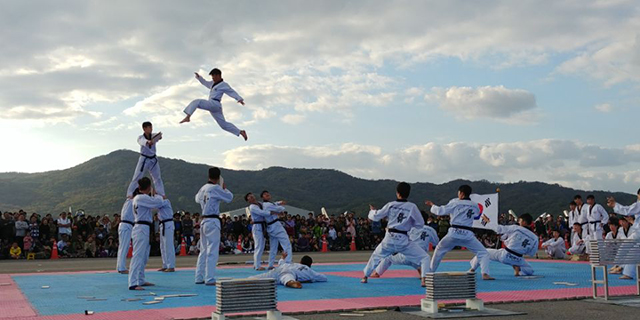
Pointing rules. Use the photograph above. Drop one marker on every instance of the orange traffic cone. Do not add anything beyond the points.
(183, 248)
(353, 243)
(430, 246)
(130, 252)
(540, 243)
(566, 244)
(54, 250)
(324, 244)
(239, 247)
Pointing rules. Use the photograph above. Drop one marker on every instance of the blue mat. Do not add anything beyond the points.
(62, 296)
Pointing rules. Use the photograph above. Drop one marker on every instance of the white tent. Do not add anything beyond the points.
(290, 210)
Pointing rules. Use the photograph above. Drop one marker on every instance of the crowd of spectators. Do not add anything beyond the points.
(87, 236)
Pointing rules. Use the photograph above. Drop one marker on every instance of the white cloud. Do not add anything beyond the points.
(570, 163)
(498, 103)
(604, 108)
(293, 118)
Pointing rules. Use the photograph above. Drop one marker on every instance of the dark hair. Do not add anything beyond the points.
(144, 183)
(214, 173)
(307, 261)
(578, 224)
(573, 203)
(591, 197)
(527, 218)
(466, 190)
(215, 71)
(146, 124)
(638, 191)
(136, 192)
(265, 191)
(403, 189)
(614, 221)
(246, 196)
(577, 196)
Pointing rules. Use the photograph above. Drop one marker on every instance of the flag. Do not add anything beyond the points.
(488, 204)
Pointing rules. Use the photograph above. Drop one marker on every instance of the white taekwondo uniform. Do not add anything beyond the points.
(277, 234)
(518, 241)
(583, 219)
(142, 206)
(213, 105)
(127, 221)
(258, 217)
(147, 162)
(402, 216)
(634, 231)
(597, 217)
(462, 213)
(209, 198)
(286, 272)
(423, 237)
(167, 247)
(576, 216)
(556, 248)
(577, 247)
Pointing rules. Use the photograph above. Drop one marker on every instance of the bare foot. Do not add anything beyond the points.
(162, 269)
(374, 275)
(260, 269)
(364, 280)
(294, 284)
(471, 271)
(186, 119)
(487, 277)
(422, 282)
(124, 272)
(516, 271)
(148, 284)
(244, 135)
(625, 278)
(136, 288)
(169, 270)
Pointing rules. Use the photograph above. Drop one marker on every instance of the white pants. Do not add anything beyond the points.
(124, 240)
(280, 274)
(398, 243)
(258, 244)
(167, 250)
(151, 165)
(629, 270)
(397, 259)
(140, 236)
(555, 253)
(503, 256)
(209, 251)
(277, 234)
(215, 108)
(456, 237)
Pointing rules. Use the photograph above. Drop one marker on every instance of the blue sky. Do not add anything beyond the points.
(418, 91)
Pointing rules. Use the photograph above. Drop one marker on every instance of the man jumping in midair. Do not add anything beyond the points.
(218, 87)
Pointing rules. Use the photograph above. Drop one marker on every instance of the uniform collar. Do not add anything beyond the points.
(401, 200)
(217, 83)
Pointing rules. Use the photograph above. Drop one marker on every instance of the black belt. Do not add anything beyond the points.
(272, 222)
(461, 227)
(264, 227)
(398, 231)
(594, 222)
(513, 252)
(146, 223)
(163, 222)
(146, 157)
(126, 221)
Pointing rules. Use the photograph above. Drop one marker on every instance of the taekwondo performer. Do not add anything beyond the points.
(615, 233)
(147, 160)
(423, 237)
(209, 197)
(628, 271)
(167, 247)
(555, 247)
(142, 206)
(127, 221)
(519, 241)
(293, 274)
(462, 211)
(578, 246)
(402, 215)
(583, 217)
(597, 217)
(574, 216)
(277, 234)
(259, 214)
(217, 88)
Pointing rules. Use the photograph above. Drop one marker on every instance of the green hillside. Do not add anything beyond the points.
(99, 185)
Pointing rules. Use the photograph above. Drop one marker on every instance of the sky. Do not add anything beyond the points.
(426, 91)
